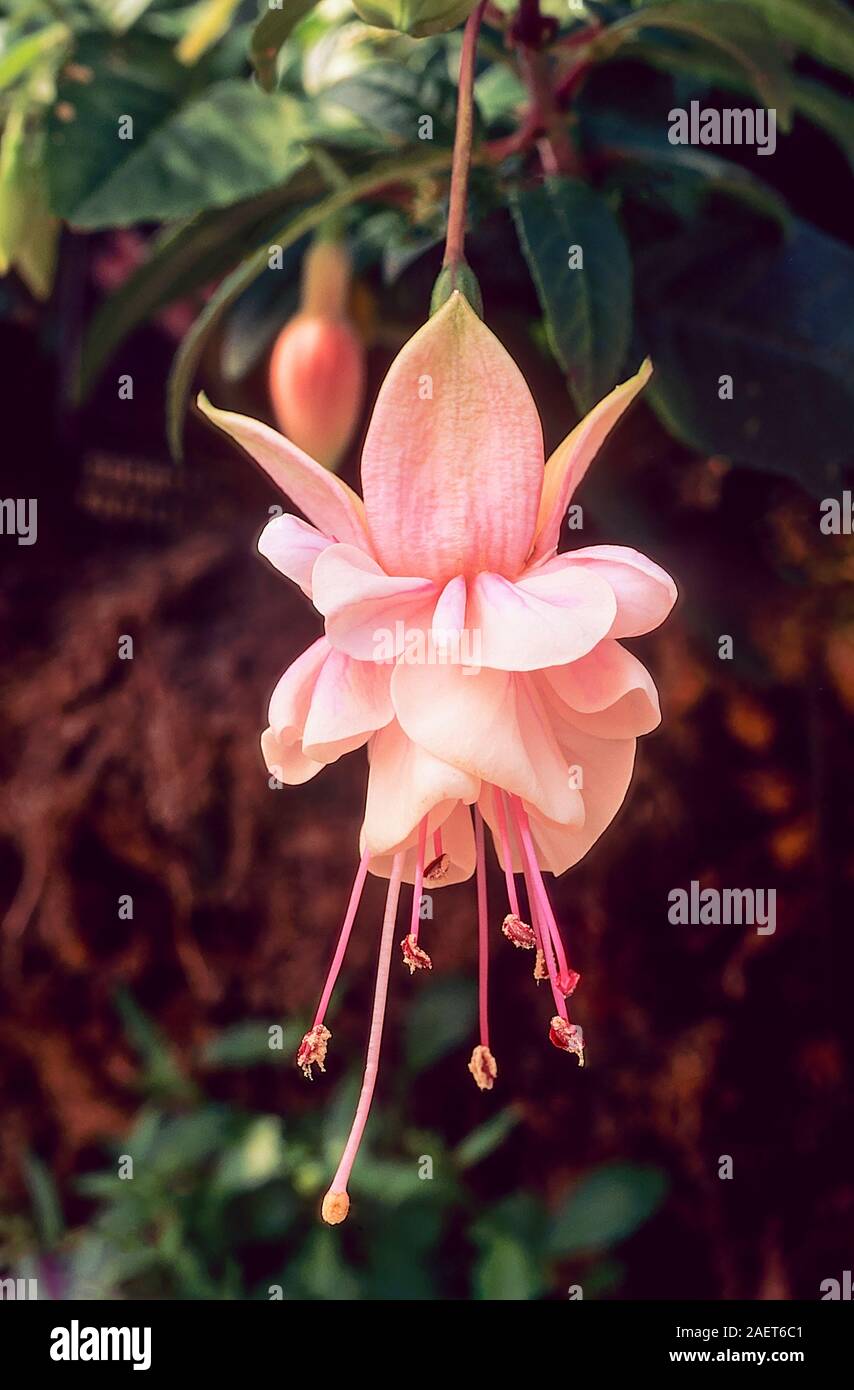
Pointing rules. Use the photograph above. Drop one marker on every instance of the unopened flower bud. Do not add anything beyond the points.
(518, 932)
(335, 1208)
(312, 1049)
(414, 955)
(568, 1037)
(317, 367)
(483, 1068)
(415, 17)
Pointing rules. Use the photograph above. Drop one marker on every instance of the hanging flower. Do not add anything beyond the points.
(482, 669)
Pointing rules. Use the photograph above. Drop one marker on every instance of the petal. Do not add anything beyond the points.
(606, 765)
(490, 724)
(350, 701)
(457, 843)
(285, 759)
(449, 616)
(550, 616)
(327, 501)
(453, 460)
(571, 460)
(405, 783)
(290, 701)
(368, 612)
(608, 693)
(645, 592)
(292, 546)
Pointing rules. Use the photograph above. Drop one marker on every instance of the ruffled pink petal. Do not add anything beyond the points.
(608, 693)
(449, 616)
(548, 617)
(490, 724)
(571, 460)
(285, 759)
(453, 459)
(329, 503)
(350, 701)
(292, 546)
(405, 783)
(290, 701)
(369, 614)
(645, 592)
(454, 820)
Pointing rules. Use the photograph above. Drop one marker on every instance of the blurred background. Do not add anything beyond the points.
(148, 1037)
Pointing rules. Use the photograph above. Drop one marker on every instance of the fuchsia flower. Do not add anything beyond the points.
(482, 669)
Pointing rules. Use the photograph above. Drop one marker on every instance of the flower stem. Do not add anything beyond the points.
(462, 141)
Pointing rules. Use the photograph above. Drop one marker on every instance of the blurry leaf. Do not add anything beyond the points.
(607, 1206)
(231, 143)
(521, 1216)
(392, 98)
(636, 141)
(28, 232)
(258, 316)
(136, 76)
(829, 110)
(741, 35)
(438, 1020)
(271, 31)
(247, 1044)
(120, 14)
(402, 1258)
(187, 1140)
(321, 1269)
(389, 1181)
(780, 321)
(486, 1138)
(822, 28)
(507, 1271)
(20, 57)
(163, 1073)
(210, 21)
(253, 1160)
(408, 169)
(500, 93)
(588, 309)
(47, 1209)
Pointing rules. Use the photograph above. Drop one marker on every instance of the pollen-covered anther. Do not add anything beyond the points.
(483, 1067)
(335, 1208)
(540, 967)
(312, 1049)
(518, 932)
(567, 1036)
(568, 982)
(436, 870)
(414, 955)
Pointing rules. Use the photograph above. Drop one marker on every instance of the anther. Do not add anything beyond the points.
(414, 955)
(518, 932)
(567, 1036)
(312, 1049)
(436, 870)
(483, 1067)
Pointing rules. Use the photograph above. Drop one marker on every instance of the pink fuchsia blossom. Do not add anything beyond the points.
(530, 730)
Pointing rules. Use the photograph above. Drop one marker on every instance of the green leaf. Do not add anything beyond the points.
(731, 28)
(588, 309)
(20, 57)
(231, 143)
(47, 1208)
(248, 1044)
(606, 1207)
(822, 28)
(778, 319)
(507, 1271)
(257, 1158)
(392, 99)
(403, 170)
(827, 109)
(258, 316)
(438, 1020)
(271, 31)
(488, 1137)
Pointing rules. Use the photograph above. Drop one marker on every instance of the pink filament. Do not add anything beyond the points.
(482, 931)
(539, 902)
(349, 919)
(542, 893)
(415, 919)
(506, 852)
(360, 1119)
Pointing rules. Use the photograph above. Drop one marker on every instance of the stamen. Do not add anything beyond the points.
(565, 978)
(414, 955)
(313, 1046)
(415, 917)
(336, 1203)
(436, 870)
(519, 932)
(483, 1068)
(568, 1037)
(482, 931)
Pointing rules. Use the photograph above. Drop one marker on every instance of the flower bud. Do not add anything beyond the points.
(415, 17)
(317, 368)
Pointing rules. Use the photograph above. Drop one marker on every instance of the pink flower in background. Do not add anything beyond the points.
(483, 671)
